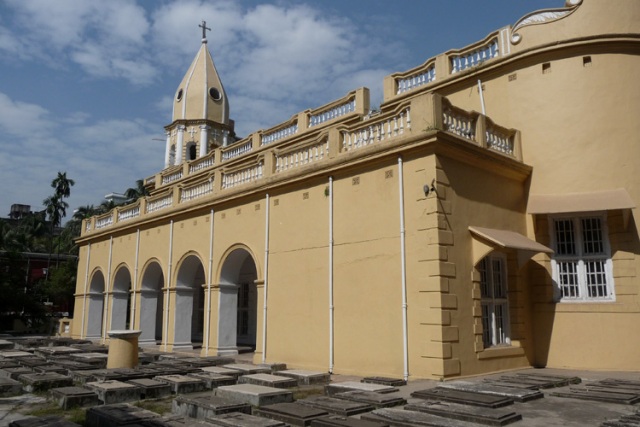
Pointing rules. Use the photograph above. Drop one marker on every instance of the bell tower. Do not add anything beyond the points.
(200, 111)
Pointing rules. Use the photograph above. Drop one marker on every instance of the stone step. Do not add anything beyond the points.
(238, 419)
(377, 400)
(334, 388)
(204, 405)
(484, 416)
(402, 418)
(268, 380)
(293, 414)
(463, 397)
(305, 377)
(254, 395)
(519, 395)
(332, 405)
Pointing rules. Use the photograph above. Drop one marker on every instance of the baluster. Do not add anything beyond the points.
(401, 123)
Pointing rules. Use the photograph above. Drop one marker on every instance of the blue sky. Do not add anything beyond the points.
(86, 85)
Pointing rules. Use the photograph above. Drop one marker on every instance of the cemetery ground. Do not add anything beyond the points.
(63, 382)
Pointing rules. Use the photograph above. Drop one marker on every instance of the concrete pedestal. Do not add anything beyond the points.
(123, 349)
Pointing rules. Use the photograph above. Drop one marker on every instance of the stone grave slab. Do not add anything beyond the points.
(537, 382)
(254, 395)
(70, 397)
(14, 373)
(307, 377)
(201, 362)
(151, 389)
(273, 367)
(549, 377)
(120, 374)
(72, 365)
(332, 405)
(146, 358)
(338, 421)
(485, 416)
(181, 384)
(247, 369)
(599, 396)
(91, 348)
(293, 414)
(56, 351)
(46, 421)
(372, 398)
(628, 386)
(334, 388)
(13, 354)
(392, 382)
(98, 360)
(238, 419)
(222, 371)
(84, 376)
(268, 380)
(173, 421)
(43, 381)
(32, 362)
(510, 384)
(402, 418)
(519, 395)
(51, 368)
(204, 405)
(9, 387)
(117, 415)
(463, 397)
(213, 380)
(9, 364)
(6, 345)
(115, 391)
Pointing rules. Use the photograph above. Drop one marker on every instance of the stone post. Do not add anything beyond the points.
(123, 349)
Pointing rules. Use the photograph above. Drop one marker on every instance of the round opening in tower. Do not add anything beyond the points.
(179, 95)
(215, 94)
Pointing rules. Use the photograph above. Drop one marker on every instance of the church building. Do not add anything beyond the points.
(483, 219)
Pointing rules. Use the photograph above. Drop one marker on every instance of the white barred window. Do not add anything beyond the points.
(582, 260)
(495, 305)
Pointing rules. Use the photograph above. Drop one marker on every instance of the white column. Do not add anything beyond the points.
(179, 144)
(167, 151)
(204, 139)
(225, 138)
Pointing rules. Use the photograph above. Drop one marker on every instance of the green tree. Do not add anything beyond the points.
(133, 194)
(62, 185)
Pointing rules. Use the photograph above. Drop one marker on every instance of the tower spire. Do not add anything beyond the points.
(204, 31)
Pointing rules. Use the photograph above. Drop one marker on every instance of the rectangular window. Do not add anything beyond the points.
(582, 260)
(495, 305)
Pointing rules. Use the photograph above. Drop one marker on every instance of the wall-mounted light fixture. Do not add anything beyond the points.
(428, 188)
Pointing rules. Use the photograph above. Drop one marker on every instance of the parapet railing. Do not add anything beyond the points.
(294, 155)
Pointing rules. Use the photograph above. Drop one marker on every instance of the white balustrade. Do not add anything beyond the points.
(129, 213)
(150, 180)
(301, 156)
(87, 227)
(159, 204)
(337, 111)
(499, 141)
(104, 222)
(242, 176)
(385, 129)
(201, 164)
(416, 80)
(279, 134)
(196, 191)
(459, 122)
(237, 150)
(166, 179)
(475, 57)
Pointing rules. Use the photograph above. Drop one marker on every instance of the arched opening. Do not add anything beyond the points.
(121, 302)
(94, 312)
(192, 152)
(151, 305)
(172, 155)
(238, 302)
(189, 322)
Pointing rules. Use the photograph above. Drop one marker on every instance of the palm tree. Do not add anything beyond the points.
(62, 185)
(84, 212)
(133, 194)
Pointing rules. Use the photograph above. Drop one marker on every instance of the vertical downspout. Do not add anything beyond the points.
(106, 292)
(265, 275)
(132, 324)
(403, 268)
(166, 300)
(84, 299)
(206, 351)
(331, 317)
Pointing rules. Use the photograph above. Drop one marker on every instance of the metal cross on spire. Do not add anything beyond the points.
(204, 31)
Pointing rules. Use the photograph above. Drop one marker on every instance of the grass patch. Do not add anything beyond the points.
(161, 406)
(75, 415)
(307, 391)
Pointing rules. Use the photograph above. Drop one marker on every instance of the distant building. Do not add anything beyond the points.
(484, 219)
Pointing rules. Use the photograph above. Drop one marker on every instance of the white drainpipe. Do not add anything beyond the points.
(106, 293)
(135, 283)
(403, 269)
(168, 280)
(331, 317)
(265, 275)
(84, 298)
(208, 324)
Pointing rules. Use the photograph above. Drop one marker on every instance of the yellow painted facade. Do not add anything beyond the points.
(421, 240)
